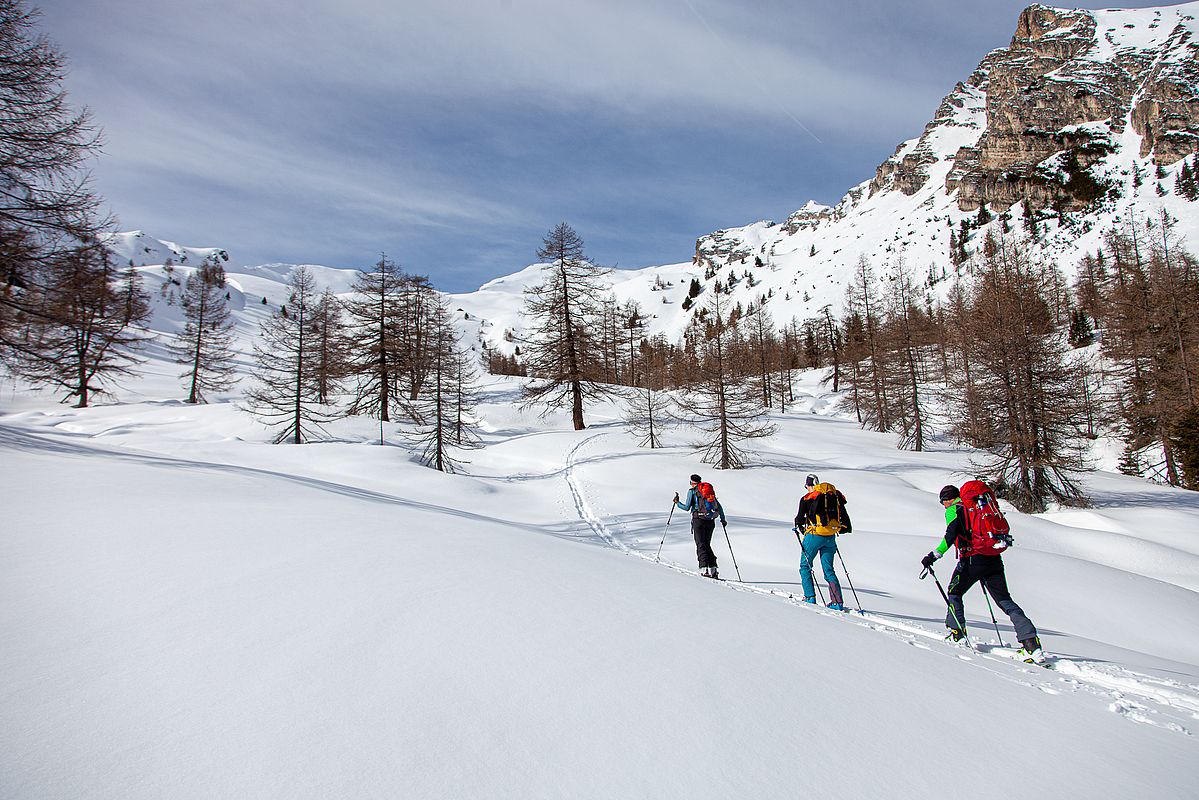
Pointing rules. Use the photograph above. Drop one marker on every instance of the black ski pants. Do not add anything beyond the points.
(987, 570)
(701, 530)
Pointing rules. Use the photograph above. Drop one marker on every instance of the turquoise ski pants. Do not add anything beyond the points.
(826, 546)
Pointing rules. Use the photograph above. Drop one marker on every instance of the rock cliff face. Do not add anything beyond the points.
(1068, 85)
(1082, 122)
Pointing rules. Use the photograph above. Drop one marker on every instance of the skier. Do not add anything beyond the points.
(821, 516)
(974, 568)
(704, 511)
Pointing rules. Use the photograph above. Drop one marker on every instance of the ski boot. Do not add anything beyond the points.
(837, 606)
(811, 600)
(955, 635)
(1031, 652)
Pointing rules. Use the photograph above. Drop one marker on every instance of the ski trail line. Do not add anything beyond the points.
(1130, 694)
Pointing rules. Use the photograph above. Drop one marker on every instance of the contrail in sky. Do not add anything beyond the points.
(741, 66)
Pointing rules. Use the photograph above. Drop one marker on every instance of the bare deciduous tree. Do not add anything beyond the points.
(447, 397)
(563, 355)
(286, 395)
(1027, 394)
(205, 345)
(728, 411)
(374, 357)
(86, 327)
(49, 215)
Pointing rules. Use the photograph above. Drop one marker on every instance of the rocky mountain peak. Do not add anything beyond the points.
(1083, 122)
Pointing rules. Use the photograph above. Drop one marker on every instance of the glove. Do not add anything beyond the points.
(928, 561)
(676, 497)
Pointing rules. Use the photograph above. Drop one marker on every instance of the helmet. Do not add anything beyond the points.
(812, 480)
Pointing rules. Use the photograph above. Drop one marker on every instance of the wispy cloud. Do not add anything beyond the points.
(314, 129)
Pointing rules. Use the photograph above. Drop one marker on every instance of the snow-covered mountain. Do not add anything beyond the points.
(1108, 98)
(1083, 123)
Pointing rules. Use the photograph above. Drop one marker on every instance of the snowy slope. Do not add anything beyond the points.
(191, 612)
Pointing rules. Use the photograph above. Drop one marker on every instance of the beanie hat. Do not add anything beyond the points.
(695, 479)
(949, 493)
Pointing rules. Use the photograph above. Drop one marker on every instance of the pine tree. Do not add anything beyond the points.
(286, 395)
(634, 324)
(1184, 183)
(984, 216)
(1081, 333)
(205, 345)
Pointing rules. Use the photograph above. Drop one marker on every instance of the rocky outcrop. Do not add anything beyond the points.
(807, 218)
(723, 247)
(1064, 88)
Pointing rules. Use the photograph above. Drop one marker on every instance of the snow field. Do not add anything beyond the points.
(194, 613)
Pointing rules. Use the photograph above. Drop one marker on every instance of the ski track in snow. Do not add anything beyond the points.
(1136, 697)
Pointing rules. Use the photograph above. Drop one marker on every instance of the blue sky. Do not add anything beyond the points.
(453, 135)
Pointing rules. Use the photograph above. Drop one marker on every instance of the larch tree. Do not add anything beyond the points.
(1152, 336)
(374, 358)
(446, 414)
(762, 338)
(869, 377)
(417, 303)
(286, 395)
(648, 412)
(89, 324)
(331, 345)
(205, 345)
(905, 337)
(50, 218)
(727, 411)
(563, 355)
(1028, 401)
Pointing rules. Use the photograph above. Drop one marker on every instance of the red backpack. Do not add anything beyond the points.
(705, 494)
(987, 527)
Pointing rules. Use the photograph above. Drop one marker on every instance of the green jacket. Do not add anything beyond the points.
(955, 527)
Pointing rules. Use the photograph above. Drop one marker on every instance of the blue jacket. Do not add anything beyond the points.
(697, 506)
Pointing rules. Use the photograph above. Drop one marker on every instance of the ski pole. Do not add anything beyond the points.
(726, 538)
(847, 577)
(668, 519)
(949, 605)
(994, 621)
